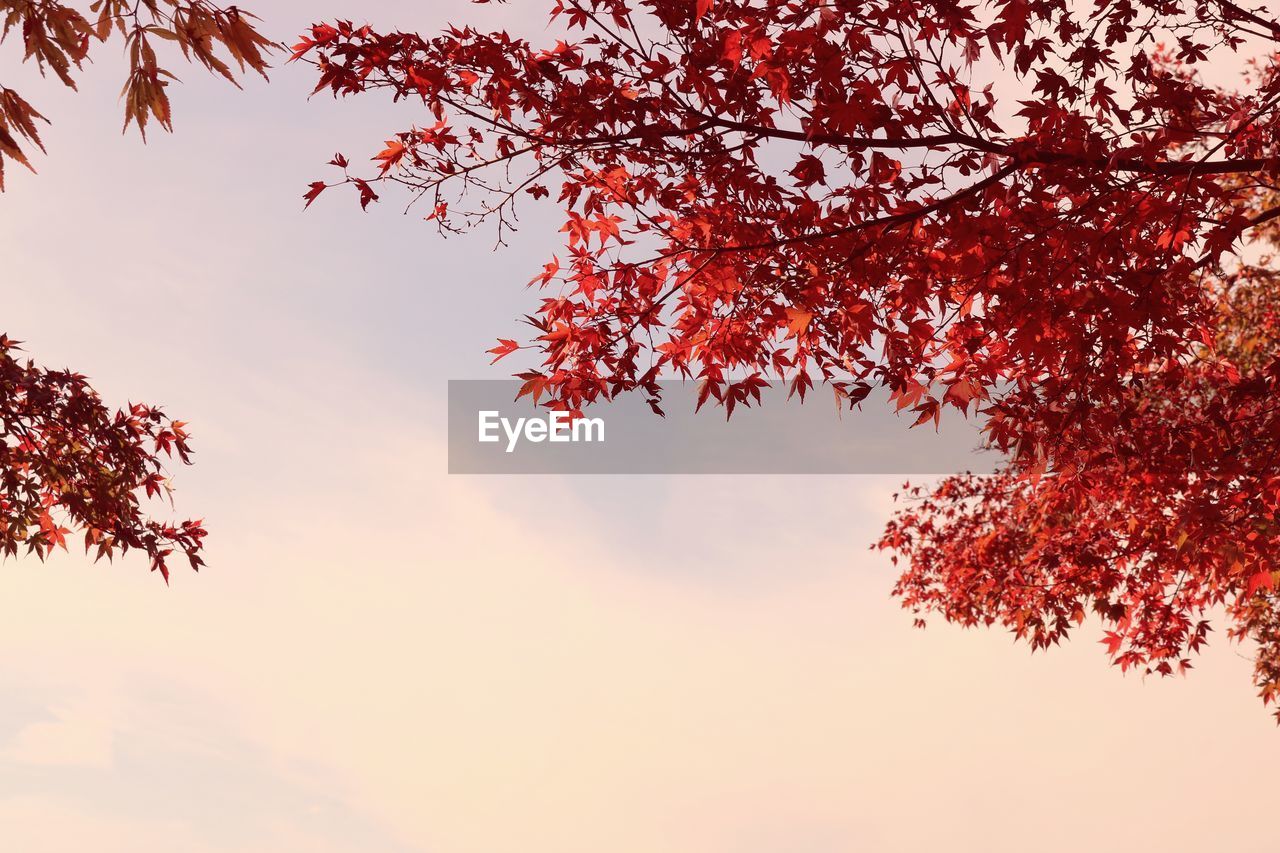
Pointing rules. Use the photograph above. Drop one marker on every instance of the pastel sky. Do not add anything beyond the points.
(382, 657)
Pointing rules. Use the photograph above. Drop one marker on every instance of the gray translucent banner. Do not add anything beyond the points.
(490, 432)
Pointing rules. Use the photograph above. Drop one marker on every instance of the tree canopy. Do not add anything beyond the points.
(1049, 215)
(66, 458)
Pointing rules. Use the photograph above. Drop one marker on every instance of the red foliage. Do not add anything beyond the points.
(1161, 508)
(59, 36)
(1024, 209)
(64, 457)
(67, 458)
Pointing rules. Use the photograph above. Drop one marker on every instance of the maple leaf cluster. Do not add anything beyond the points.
(1030, 211)
(66, 459)
(1167, 511)
(58, 37)
(799, 189)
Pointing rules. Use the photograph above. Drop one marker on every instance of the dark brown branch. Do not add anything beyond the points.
(1025, 155)
(889, 221)
(1236, 12)
(840, 141)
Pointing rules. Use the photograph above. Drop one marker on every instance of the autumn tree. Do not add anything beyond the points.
(1165, 512)
(65, 457)
(1043, 214)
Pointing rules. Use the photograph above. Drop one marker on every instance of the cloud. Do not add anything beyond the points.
(76, 737)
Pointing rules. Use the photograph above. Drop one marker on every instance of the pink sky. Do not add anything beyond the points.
(382, 657)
